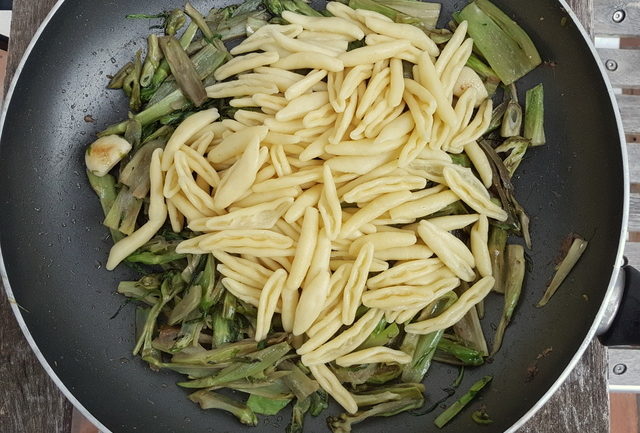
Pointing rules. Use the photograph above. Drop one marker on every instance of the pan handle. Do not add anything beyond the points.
(621, 326)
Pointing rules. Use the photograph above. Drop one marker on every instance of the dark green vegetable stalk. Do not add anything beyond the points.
(135, 174)
(138, 291)
(183, 71)
(382, 335)
(131, 84)
(254, 363)
(124, 212)
(496, 117)
(513, 287)
(456, 407)
(517, 147)
(189, 335)
(212, 400)
(421, 14)
(174, 22)
(163, 70)
(451, 351)
(534, 116)
(188, 304)
(225, 329)
(105, 189)
(344, 423)
(300, 408)
(481, 417)
(157, 251)
(152, 61)
(199, 20)
(501, 41)
(497, 245)
(117, 81)
(512, 118)
(221, 354)
(423, 347)
(297, 381)
(576, 250)
(276, 7)
(394, 392)
(470, 330)
(265, 405)
(319, 402)
(384, 373)
(212, 290)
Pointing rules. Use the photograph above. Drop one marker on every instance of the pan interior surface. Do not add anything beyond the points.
(54, 245)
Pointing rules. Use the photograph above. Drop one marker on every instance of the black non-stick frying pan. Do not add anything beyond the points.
(54, 246)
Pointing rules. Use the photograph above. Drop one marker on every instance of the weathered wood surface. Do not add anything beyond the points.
(29, 402)
(616, 17)
(622, 67)
(630, 108)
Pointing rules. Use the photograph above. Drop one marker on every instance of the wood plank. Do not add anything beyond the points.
(634, 212)
(624, 413)
(29, 400)
(633, 153)
(622, 67)
(584, 11)
(579, 405)
(630, 110)
(632, 253)
(603, 17)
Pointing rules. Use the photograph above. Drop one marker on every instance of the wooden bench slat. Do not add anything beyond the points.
(632, 253)
(630, 109)
(625, 65)
(633, 152)
(634, 212)
(603, 17)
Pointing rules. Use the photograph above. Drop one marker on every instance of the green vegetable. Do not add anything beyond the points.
(117, 81)
(381, 335)
(157, 251)
(470, 330)
(300, 408)
(174, 22)
(188, 335)
(152, 61)
(266, 406)
(183, 71)
(578, 247)
(501, 41)
(297, 381)
(534, 116)
(513, 287)
(276, 7)
(450, 350)
(124, 212)
(131, 84)
(517, 147)
(511, 120)
(421, 14)
(220, 354)
(212, 400)
(488, 75)
(456, 407)
(395, 392)
(199, 20)
(319, 402)
(481, 417)
(135, 174)
(188, 304)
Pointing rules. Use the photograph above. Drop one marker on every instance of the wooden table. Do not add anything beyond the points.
(31, 403)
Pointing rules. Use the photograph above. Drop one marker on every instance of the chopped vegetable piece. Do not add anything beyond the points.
(344, 422)
(515, 266)
(212, 400)
(123, 214)
(381, 335)
(299, 410)
(497, 245)
(517, 146)
(481, 417)
(500, 40)
(466, 355)
(266, 406)
(418, 13)
(183, 70)
(152, 61)
(534, 116)
(576, 250)
(456, 407)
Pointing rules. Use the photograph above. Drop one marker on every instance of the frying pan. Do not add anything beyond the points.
(54, 247)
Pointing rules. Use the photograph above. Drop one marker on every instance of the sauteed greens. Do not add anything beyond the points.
(318, 201)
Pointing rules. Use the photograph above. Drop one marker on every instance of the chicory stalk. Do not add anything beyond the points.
(299, 383)
(265, 405)
(517, 147)
(470, 330)
(188, 304)
(152, 61)
(131, 84)
(576, 250)
(344, 423)
(212, 400)
(299, 410)
(135, 174)
(220, 354)
(512, 289)
(183, 71)
(117, 81)
(534, 116)
(447, 347)
(389, 393)
(174, 22)
(124, 212)
(382, 335)
(497, 245)
(189, 334)
(456, 407)
(512, 117)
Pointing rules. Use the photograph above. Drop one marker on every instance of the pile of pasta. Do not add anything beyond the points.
(315, 199)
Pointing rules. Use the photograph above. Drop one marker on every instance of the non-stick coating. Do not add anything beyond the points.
(54, 246)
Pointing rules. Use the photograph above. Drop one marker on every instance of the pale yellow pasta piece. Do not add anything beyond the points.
(239, 277)
(404, 272)
(244, 266)
(308, 134)
(374, 355)
(185, 131)
(269, 297)
(323, 330)
(384, 241)
(352, 80)
(279, 160)
(450, 48)
(375, 127)
(374, 188)
(396, 83)
(304, 85)
(157, 216)
(347, 341)
(261, 216)
(334, 83)
(373, 210)
(324, 36)
(435, 154)
(341, 10)
(467, 300)
(304, 250)
(480, 162)
(308, 198)
(300, 46)
(386, 169)
(330, 383)
(288, 127)
(453, 69)
(244, 102)
(191, 190)
(329, 206)
(479, 246)
(254, 199)
(375, 88)
(250, 118)
(325, 24)
(323, 116)
(248, 294)
(471, 190)
(413, 252)
(236, 143)
(451, 250)
(374, 53)
(245, 63)
(286, 140)
(234, 89)
(186, 208)
(270, 263)
(290, 300)
(430, 169)
(337, 283)
(352, 294)
(475, 129)
(343, 121)
(264, 35)
(360, 164)
(428, 77)
(310, 61)
(238, 179)
(199, 164)
(323, 321)
(314, 293)
(402, 298)
(422, 94)
(399, 127)
(416, 143)
(288, 230)
(469, 78)
(260, 243)
(403, 31)
(303, 104)
(372, 116)
(365, 146)
(424, 206)
(175, 217)
(454, 222)
(312, 174)
(272, 102)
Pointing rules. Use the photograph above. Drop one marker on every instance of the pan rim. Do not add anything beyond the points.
(609, 295)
